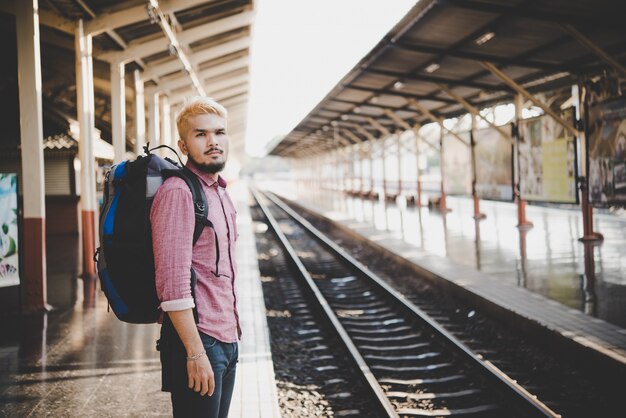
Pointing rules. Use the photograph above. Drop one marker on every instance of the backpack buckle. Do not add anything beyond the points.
(200, 207)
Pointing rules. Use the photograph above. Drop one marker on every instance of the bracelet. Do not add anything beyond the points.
(196, 356)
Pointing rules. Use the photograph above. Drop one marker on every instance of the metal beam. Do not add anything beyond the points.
(173, 40)
(588, 43)
(435, 79)
(399, 93)
(354, 139)
(398, 121)
(203, 55)
(46, 18)
(474, 111)
(508, 80)
(212, 72)
(476, 56)
(377, 125)
(147, 46)
(122, 17)
(439, 120)
(217, 95)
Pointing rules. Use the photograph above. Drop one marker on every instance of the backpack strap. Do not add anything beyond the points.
(201, 213)
(200, 204)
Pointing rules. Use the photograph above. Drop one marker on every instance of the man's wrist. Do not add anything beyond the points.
(195, 357)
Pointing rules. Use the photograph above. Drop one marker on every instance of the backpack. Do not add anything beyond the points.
(124, 260)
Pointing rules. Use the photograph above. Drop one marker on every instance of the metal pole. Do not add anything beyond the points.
(34, 282)
(442, 200)
(399, 146)
(477, 214)
(153, 120)
(86, 119)
(166, 130)
(588, 233)
(140, 114)
(118, 111)
(418, 198)
(521, 204)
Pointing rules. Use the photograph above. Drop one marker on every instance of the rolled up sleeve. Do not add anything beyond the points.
(172, 219)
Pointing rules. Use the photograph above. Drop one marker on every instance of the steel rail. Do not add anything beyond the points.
(368, 376)
(518, 393)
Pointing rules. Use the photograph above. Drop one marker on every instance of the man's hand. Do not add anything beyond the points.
(200, 376)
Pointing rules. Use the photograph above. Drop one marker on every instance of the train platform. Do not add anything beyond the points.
(79, 361)
(537, 277)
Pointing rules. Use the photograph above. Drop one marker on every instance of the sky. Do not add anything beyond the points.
(300, 50)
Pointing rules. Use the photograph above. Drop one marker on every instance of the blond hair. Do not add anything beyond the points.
(199, 105)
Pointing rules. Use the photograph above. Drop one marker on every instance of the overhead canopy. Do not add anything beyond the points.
(214, 36)
(443, 50)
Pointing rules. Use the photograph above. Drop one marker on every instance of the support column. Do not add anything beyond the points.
(154, 137)
(521, 204)
(360, 156)
(418, 198)
(477, 213)
(382, 156)
(589, 235)
(86, 119)
(34, 276)
(442, 199)
(118, 110)
(399, 146)
(166, 130)
(140, 114)
(173, 130)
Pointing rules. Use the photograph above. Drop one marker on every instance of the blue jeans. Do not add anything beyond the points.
(223, 358)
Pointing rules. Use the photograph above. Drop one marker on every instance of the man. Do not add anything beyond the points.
(199, 355)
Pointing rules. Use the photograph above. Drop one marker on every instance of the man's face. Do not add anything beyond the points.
(206, 142)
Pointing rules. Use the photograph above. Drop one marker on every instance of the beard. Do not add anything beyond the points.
(211, 168)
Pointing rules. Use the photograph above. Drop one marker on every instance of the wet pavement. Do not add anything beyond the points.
(547, 259)
(79, 362)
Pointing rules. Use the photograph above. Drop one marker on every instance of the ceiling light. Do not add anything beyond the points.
(318, 132)
(344, 117)
(333, 123)
(357, 110)
(432, 68)
(398, 85)
(374, 99)
(325, 128)
(483, 39)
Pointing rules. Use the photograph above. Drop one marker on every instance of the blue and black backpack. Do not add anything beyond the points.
(125, 260)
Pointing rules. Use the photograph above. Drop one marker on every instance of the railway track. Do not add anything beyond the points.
(412, 365)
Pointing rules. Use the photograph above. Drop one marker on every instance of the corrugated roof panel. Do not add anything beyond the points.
(446, 26)
(395, 59)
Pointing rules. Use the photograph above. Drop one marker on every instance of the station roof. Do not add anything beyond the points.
(214, 35)
(442, 50)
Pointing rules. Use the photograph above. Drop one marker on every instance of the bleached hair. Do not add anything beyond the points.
(198, 105)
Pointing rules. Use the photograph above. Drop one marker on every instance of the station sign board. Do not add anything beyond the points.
(493, 155)
(547, 160)
(9, 254)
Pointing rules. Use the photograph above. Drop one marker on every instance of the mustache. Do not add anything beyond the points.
(210, 150)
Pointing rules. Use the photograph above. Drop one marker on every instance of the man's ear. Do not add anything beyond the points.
(182, 146)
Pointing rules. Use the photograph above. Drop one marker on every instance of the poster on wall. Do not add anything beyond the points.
(494, 165)
(606, 141)
(457, 165)
(547, 160)
(9, 261)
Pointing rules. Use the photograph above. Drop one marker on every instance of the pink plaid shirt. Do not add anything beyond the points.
(172, 218)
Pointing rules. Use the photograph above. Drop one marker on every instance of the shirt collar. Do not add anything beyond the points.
(205, 177)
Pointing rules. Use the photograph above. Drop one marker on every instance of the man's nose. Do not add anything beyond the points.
(211, 138)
